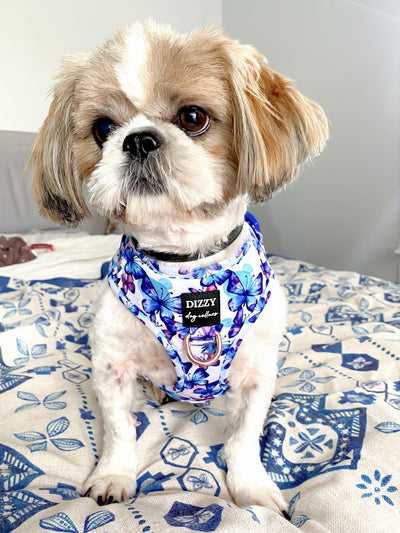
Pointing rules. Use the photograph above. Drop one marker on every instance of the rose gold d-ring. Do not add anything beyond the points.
(199, 362)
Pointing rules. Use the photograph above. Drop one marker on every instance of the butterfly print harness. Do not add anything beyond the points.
(200, 315)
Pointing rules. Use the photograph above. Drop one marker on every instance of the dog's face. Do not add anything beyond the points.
(155, 124)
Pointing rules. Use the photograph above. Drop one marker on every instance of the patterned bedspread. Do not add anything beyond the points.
(331, 440)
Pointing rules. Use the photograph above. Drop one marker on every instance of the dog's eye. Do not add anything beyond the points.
(101, 129)
(193, 120)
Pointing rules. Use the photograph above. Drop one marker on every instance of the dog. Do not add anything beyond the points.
(172, 136)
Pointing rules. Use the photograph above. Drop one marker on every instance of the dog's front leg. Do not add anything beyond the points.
(114, 478)
(116, 348)
(252, 382)
(122, 348)
(247, 480)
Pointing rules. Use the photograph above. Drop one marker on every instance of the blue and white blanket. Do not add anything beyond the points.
(331, 440)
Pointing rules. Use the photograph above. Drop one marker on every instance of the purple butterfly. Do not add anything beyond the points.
(238, 322)
(244, 289)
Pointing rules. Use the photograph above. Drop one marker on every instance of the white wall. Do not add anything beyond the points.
(35, 34)
(344, 211)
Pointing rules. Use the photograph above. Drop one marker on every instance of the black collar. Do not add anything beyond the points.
(183, 258)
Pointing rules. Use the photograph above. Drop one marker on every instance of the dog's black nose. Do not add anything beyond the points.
(140, 144)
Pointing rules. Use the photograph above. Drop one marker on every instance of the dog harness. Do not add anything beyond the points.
(200, 315)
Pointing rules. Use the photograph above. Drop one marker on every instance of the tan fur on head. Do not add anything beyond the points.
(275, 127)
(56, 185)
(261, 129)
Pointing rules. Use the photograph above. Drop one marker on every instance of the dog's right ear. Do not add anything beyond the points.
(57, 186)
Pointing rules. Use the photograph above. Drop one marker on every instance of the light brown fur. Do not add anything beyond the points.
(263, 128)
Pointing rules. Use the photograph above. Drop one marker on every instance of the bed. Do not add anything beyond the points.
(331, 440)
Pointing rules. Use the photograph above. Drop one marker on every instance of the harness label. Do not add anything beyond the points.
(201, 309)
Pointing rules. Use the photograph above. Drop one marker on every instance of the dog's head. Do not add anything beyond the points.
(154, 123)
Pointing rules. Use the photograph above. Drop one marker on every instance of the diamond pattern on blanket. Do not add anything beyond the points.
(330, 440)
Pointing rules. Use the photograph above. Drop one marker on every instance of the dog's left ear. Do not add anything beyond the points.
(275, 127)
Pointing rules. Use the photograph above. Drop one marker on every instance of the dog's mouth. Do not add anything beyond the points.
(141, 170)
(143, 178)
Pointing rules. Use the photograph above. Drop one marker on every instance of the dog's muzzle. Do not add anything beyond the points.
(142, 163)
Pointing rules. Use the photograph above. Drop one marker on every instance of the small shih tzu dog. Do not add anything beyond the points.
(172, 136)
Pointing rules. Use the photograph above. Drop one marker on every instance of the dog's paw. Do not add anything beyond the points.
(110, 488)
(255, 488)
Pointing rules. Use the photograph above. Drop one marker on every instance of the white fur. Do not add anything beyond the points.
(132, 66)
(252, 383)
(177, 234)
